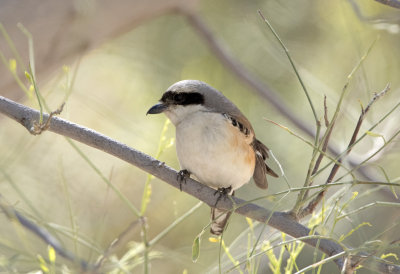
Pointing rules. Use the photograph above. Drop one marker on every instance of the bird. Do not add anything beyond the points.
(215, 142)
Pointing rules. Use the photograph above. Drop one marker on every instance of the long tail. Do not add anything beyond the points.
(219, 219)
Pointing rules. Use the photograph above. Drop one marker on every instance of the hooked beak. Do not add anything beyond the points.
(157, 108)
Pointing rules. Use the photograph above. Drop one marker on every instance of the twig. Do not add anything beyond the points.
(293, 66)
(39, 127)
(119, 239)
(312, 205)
(279, 220)
(42, 233)
(326, 113)
(320, 157)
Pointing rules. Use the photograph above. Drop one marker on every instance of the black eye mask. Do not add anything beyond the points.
(183, 98)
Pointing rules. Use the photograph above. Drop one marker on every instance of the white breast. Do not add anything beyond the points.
(214, 151)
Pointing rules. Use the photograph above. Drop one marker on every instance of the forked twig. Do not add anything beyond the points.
(39, 127)
(313, 203)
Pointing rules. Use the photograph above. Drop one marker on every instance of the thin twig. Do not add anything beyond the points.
(39, 127)
(293, 66)
(326, 113)
(320, 157)
(118, 240)
(312, 205)
(297, 208)
(42, 233)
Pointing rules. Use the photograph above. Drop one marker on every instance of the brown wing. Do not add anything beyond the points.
(261, 169)
(243, 125)
(261, 151)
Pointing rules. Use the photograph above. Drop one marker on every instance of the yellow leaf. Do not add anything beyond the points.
(65, 68)
(28, 76)
(384, 256)
(12, 63)
(373, 134)
(213, 240)
(52, 254)
(42, 263)
(249, 222)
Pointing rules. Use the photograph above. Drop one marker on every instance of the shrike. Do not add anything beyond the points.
(214, 141)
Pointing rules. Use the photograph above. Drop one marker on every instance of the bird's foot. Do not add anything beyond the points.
(222, 192)
(182, 176)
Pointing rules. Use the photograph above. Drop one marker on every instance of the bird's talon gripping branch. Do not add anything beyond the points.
(222, 192)
(182, 176)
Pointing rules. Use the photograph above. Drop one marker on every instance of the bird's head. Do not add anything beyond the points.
(189, 96)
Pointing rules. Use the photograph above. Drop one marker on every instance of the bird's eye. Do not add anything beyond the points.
(179, 98)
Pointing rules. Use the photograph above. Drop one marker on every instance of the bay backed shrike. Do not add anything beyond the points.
(214, 141)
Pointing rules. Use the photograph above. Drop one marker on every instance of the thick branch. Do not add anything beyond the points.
(279, 220)
(391, 3)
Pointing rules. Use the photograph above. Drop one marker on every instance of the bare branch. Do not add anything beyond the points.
(280, 220)
(391, 3)
(42, 233)
(313, 203)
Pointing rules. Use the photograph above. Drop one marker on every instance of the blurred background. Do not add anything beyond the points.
(111, 61)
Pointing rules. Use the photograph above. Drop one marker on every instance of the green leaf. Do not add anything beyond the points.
(196, 248)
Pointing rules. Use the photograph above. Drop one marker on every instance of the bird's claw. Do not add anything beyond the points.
(222, 192)
(182, 176)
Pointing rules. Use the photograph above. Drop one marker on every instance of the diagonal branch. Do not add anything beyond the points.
(42, 233)
(280, 220)
(391, 3)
